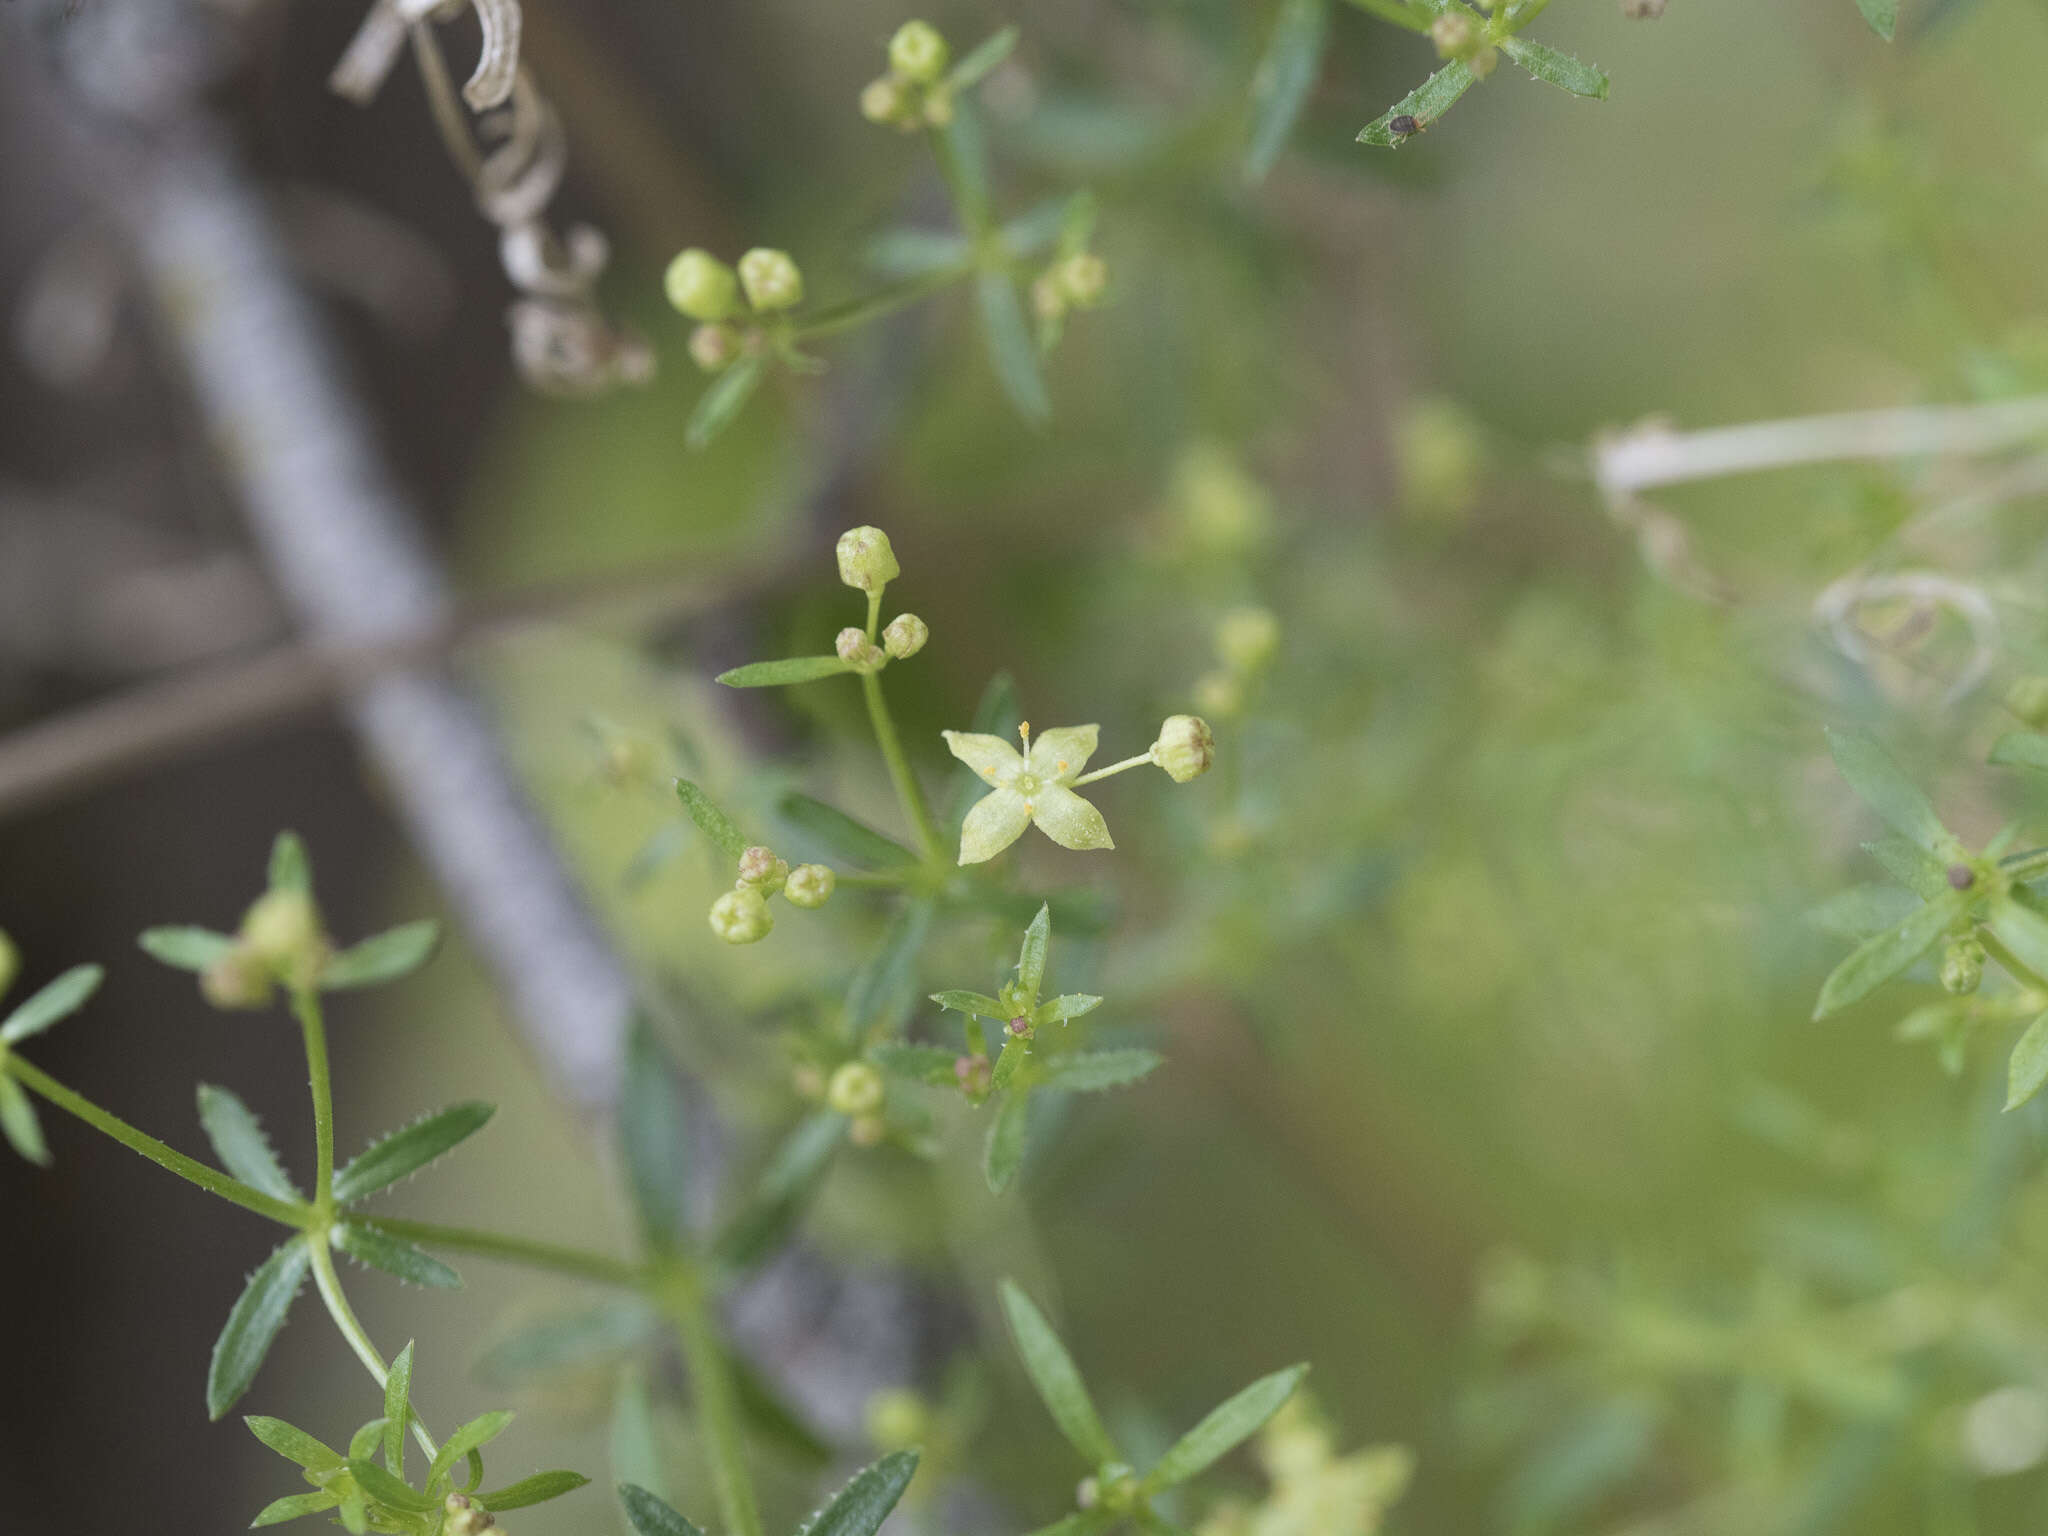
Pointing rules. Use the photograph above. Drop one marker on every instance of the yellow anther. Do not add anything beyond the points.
(1063, 765)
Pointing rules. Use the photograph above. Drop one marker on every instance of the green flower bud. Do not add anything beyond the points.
(2028, 698)
(1219, 694)
(1483, 61)
(1082, 278)
(1222, 510)
(713, 347)
(10, 962)
(858, 651)
(700, 285)
(868, 1131)
(1048, 300)
(882, 100)
(856, 1089)
(905, 636)
(771, 279)
(1454, 35)
(810, 886)
(897, 1419)
(1185, 748)
(741, 916)
(938, 106)
(282, 931)
(1962, 967)
(763, 871)
(1439, 461)
(918, 53)
(866, 560)
(238, 979)
(1246, 638)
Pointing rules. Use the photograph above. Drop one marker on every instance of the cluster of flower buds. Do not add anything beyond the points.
(867, 563)
(1246, 641)
(914, 93)
(1072, 282)
(466, 1518)
(854, 1089)
(1458, 36)
(729, 304)
(282, 941)
(1962, 966)
(741, 915)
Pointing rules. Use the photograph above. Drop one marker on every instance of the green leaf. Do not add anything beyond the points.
(1067, 1008)
(1006, 1140)
(636, 1455)
(596, 1335)
(879, 999)
(187, 948)
(1284, 79)
(1087, 1522)
(1225, 1428)
(1426, 103)
(930, 1064)
(18, 1123)
(1031, 957)
(1882, 956)
(1010, 347)
(721, 403)
(291, 868)
(772, 1418)
(363, 1443)
(1913, 867)
(398, 1408)
(2021, 749)
(840, 835)
(2027, 1068)
(864, 1503)
(1883, 16)
(394, 1256)
(385, 957)
(915, 253)
(654, 1140)
(537, 1489)
(1556, 68)
(355, 1513)
(783, 1190)
(981, 60)
(404, 1152)
(650, 1516)
(253, 1326)
(777, 674)
(1009, 1062)
(239, 1143)
(388, 1490)
(976, 1004)
(1093, 1071)
(293, 1507)
(1057, 1379)
(293, 1443)
(1860, 911)
(1884, 786)
(467, 1441)
(2025, 932)
(711, 821)
(58, 1000)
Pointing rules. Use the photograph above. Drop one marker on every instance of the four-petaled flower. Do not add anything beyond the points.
(1033, 786)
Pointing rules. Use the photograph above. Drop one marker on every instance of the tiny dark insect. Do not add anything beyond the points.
(1404, 126)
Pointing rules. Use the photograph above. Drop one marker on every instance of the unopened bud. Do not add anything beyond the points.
(771, 279)
(1082, 278)
(897, 1419)
(741, 916)
(282, 931)
(1185, 748)
(858, 651)
(238, 979)
(974, 1075)
(1048, 301)
(881, 100)
(868, 1131)
(905, 636)
(1454, 35)
(938, 106)
(2028, 698)
(807, 1081)
(713, 347)
(918, 53)
(866, 559)
(809, 886)
(700, 285)
(1246, 638)
(1962, 967)
(856, 1089)
(763, 871)
(1219, 693)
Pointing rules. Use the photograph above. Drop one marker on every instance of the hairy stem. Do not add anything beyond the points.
(345, 1319)
(306, 1004)
(526, 1252)
(682, 1297)
(900, 775)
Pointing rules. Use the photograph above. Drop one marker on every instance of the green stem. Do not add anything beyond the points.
(899, 766)
(969, 200)
(1102, 773)
(306, 1004)
(2017, 968)
(557, 1258)
(2021, 867)
(878, 880)
(856, 312)
(682, 1297)
(287, 1212)
(352, 1329)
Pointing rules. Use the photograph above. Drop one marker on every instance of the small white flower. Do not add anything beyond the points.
(1026, 788)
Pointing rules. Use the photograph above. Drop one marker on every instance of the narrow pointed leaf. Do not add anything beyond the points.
(355, 1513)
(654, 1140)
(929, 1064)
(883, 991)
(291, 868)
(1093, 1071)
(387, 1490)
(253, 1326)
(1010, 347)
(784, 1189)
(294, 1507)
(1912, 866)
(1883, 16)
(467, 1441)
(18, 1123)
(2021, 749)
(537, 1489)
(1009, 1062)
(398, 1408)
(385, 957)
(774, 1419)
(384, 1163)
(1862, 910)
(1065, 1009)
(239, 1142)
(721, 403)
(2025, 932)
(1556, 68)
(1006, 1140)
(840, 835)
(634, 1442)
(1284, 79)
(1884, 786)
(864, 1503)
(293, 1443)
(189, 949)
(778, 674)
(58, 1000)
(710, 820)
(1031, 957)
(978, 1004)
(981, 60)
(395, 1257)
(1882, 956)
(1426, 103)
(1225, 1428)
(2027, 1069)
(650, 1516)
(1058, 1380)
(362, 1445)
(567, 1342)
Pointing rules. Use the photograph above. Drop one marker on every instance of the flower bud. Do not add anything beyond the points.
(763, 871)
(771, 279)
(810, 886)
(1246, 638)
(1221, 509)
(741, 916)
(1082, 278)
(713, 347)
(866, 560)
(974, 1075)
(881, 100)
(10, 962)
(807, 1081)
(897, 1419)
(857, 650)
(1219, 693)
(868, 1131)
(238, 979)
(1048, 301)
(938, 106)
(905, 636)
(2028, 698)
(1962, 967)
(918, 53)
(1185, 748)
(1454, 35)
(282, 931)
(856, 1089)
(700, 285)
